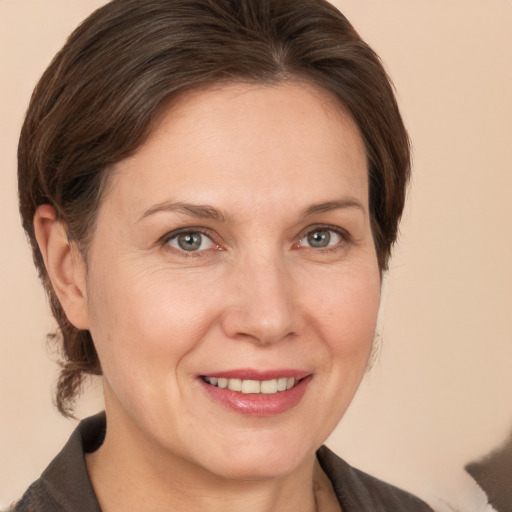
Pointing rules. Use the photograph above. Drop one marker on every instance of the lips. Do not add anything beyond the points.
(257, 393)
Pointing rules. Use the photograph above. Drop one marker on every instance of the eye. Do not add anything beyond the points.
(191, 241)
(321, 238)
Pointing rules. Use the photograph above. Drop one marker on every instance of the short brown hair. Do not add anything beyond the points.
(99, 98)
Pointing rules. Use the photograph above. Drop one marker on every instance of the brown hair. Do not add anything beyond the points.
(99, 98)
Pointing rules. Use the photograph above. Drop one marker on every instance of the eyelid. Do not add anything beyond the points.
(346, 237)
(164, 240)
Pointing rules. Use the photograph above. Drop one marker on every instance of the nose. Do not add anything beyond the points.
(262, 306)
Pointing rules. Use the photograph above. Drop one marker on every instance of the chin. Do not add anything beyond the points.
(262, 462)
(256, 470)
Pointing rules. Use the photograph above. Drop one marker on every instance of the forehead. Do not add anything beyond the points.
(249, 139)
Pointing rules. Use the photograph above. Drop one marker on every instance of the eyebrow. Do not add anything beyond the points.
(328, 206)
(196, 210)
(209, 212)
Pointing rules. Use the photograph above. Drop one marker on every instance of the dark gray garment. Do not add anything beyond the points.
(494, 475)
(65, 486)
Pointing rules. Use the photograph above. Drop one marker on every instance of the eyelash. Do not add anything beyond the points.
(345, 237)
(166, 239)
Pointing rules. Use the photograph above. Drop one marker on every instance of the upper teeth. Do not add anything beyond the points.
(267, 387)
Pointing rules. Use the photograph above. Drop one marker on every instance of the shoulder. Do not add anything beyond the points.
(64, 486)
(36, 499)
(357, 490)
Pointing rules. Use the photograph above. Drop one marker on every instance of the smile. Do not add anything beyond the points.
(249, 386)
(256, 392)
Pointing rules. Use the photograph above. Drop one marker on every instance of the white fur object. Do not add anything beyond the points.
(462, 494)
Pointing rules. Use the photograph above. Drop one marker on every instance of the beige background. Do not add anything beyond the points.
(441, 393)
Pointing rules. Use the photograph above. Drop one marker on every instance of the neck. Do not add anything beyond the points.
(154, 479)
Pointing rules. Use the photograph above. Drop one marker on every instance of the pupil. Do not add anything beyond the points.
(319, 238)
(189, 241)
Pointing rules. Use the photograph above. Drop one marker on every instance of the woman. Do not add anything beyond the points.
(211, 190)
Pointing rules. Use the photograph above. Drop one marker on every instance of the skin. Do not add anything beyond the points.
(275, 163)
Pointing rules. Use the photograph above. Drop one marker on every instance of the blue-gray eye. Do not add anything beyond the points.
(320, 238)
(191, 241)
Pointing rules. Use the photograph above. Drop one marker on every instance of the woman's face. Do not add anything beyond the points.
(234, 249)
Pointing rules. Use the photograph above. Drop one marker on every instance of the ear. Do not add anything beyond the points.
(64, 264)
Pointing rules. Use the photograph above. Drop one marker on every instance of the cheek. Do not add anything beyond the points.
(345, 315)
(143, 330)
(345, 310)
(139, 317)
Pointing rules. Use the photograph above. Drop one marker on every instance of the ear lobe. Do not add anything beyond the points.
(64, 264)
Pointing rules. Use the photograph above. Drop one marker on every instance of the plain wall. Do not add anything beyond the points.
(441, 393)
